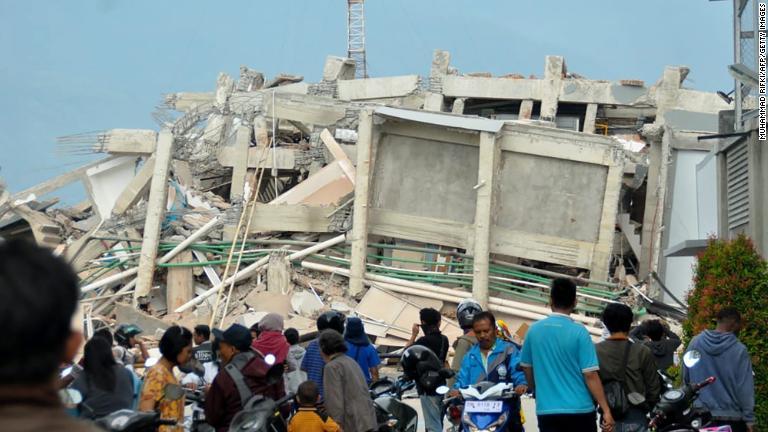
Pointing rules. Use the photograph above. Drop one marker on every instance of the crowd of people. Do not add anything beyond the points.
(569, 375)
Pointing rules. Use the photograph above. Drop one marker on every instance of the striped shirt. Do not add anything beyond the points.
(313, 363)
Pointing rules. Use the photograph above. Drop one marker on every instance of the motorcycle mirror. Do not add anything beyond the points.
(270, 359)
(442, 390)
(173, 392)
(70, 397)
(691, 358)
(148, 363)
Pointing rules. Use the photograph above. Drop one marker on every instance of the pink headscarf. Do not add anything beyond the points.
(271, 339)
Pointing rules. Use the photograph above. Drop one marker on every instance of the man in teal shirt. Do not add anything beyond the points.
(560, 364)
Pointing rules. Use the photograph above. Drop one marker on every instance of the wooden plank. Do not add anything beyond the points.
(389, 223)
(332, 145)
(291, 218)
(180, 285)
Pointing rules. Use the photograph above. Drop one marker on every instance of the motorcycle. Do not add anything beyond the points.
(133, 421)
(139, 421)
(194, 411)
(392, 415)
(487, 406)
(261, 414)
(675, 411)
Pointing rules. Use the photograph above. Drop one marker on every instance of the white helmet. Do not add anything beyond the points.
(466, 311)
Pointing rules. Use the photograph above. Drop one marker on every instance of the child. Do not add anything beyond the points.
(308, 418)
(294, 375)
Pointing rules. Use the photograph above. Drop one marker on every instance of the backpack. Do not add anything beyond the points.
(615, 389)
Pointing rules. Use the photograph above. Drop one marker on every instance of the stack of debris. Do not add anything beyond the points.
(374, 197)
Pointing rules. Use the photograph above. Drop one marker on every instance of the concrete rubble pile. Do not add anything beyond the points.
(374, 197)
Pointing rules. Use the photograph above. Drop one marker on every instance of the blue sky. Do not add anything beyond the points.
(76, 66)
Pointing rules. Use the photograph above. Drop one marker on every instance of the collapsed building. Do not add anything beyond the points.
(380, 196)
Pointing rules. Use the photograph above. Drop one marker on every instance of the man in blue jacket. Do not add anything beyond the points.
(493, 360)
(730, 399)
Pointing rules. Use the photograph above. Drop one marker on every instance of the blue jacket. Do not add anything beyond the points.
(732, 396)
(472, 366)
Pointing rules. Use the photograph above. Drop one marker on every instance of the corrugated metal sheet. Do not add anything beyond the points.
(737, 175)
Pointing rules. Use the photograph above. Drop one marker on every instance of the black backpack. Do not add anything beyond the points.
(615, 389)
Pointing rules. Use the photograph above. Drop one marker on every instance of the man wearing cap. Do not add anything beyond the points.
(244, 374)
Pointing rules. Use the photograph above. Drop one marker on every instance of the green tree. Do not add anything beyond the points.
(732, 273)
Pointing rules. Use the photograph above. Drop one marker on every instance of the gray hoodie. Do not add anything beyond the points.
(732, 396)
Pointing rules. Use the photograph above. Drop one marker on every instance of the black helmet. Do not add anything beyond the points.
(125, 332)
(422, 365)
(466, 311)
(333, 320)
(418, 359)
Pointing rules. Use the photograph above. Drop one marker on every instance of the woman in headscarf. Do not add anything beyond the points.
(361, 349)
(271, 339)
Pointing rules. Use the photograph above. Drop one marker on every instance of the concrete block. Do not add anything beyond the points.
(127, 314)
(338, 68)
(266, 301)
(434, 102)
(251, 318)
(131, 141)
(305, 303)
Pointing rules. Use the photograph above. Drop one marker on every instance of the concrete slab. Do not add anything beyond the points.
(377, 88)
(108, 180)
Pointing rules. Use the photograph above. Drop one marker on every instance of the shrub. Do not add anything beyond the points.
(732, 273)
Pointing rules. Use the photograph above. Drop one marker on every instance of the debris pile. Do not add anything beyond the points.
(374, 197)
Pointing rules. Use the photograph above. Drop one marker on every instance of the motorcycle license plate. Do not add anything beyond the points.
(483, 406)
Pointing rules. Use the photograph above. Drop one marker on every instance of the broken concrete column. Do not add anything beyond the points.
(434, 100)
(441, 61)
(554, 69)
(361, 204)
(487, 179)
(180, 285)
(279, 273)
(666, 96)
(589, 118)
(458, 106)
(240, 167)
(526, 110)
(653, 134)
(155, 215)
(136, 189)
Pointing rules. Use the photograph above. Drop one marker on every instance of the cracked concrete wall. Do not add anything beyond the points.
(554, 197)
(425, 178)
